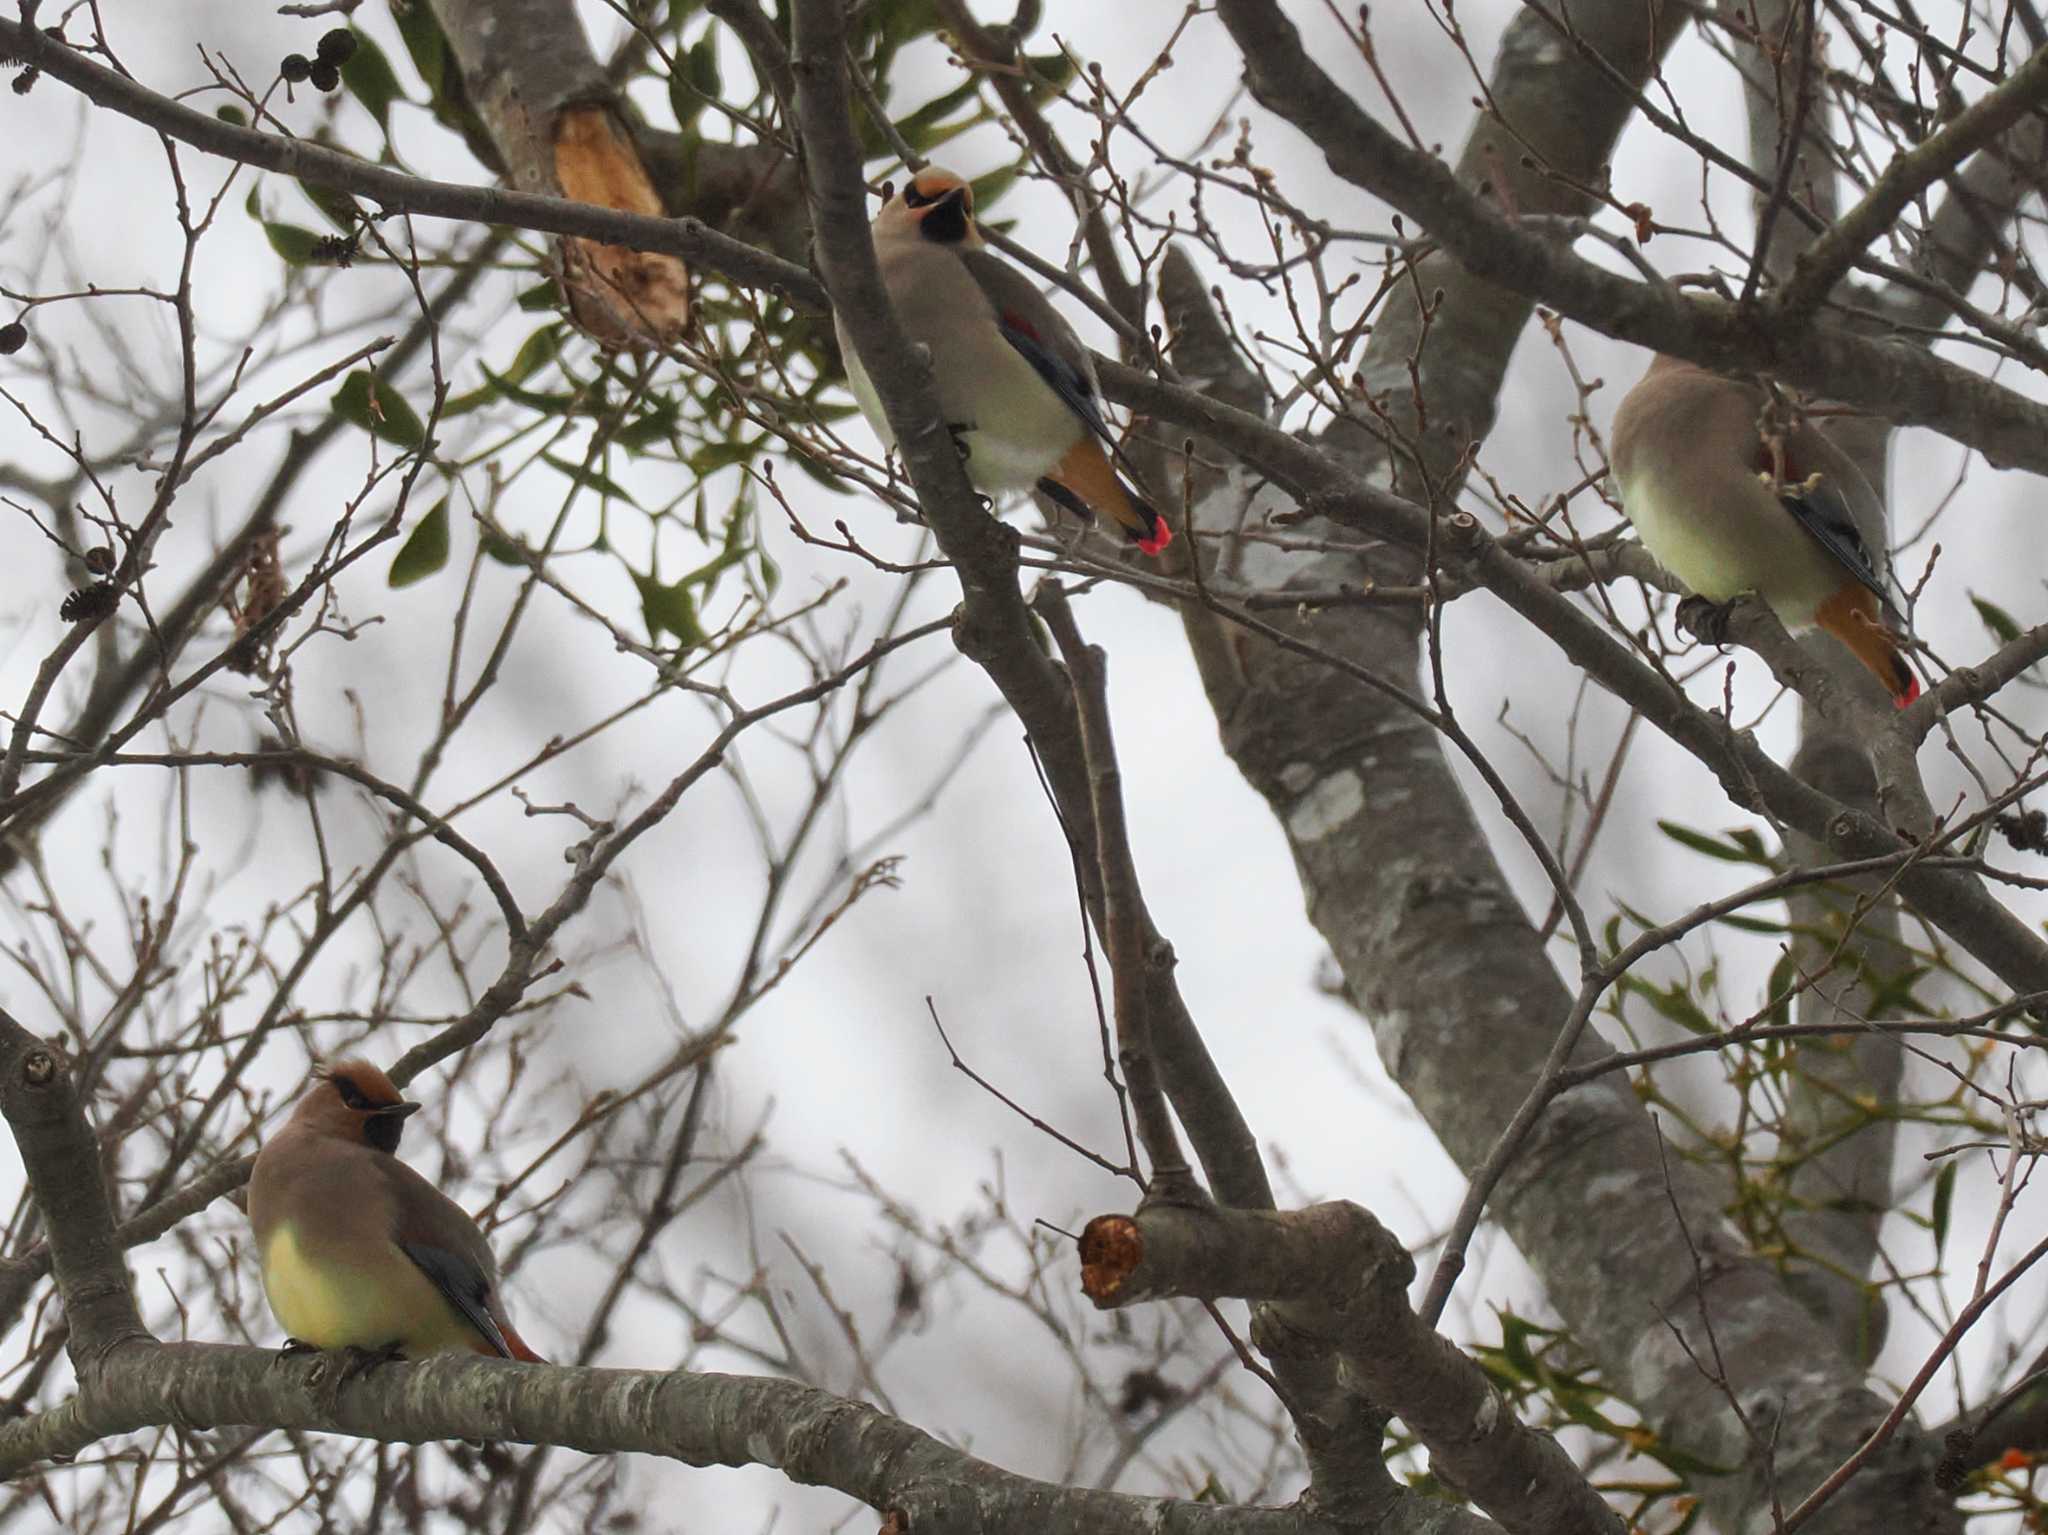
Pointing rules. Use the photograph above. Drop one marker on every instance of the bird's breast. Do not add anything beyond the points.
(1729, 535)
(1014, 427)
(377, 1299)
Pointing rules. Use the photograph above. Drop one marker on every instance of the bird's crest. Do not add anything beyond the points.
(362, 1086)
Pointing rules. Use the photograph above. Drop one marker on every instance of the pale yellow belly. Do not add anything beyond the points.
(385, 1300)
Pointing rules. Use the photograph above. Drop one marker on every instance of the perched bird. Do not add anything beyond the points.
(1017, 386)
(360, 1251)
(1726, 511)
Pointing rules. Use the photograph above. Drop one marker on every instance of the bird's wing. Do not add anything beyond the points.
(1828, 496)
(1031, 325)
(1824, 511)
(467, 1288)
(440, 1238)
(463, 1284)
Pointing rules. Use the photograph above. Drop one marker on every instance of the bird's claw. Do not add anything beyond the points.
(1707, 621)
(361, 1361)
(959, 430)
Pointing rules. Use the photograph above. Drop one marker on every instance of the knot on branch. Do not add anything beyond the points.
(975, 641)
(1276, 1333)
(1462, 534)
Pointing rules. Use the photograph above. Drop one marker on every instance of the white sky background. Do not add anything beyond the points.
(985, 922)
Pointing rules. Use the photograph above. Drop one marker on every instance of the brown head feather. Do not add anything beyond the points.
(936, 205)
(354, 1100)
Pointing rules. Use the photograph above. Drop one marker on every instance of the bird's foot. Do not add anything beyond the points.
(361, 1361)
(294, 1348)
(959, 430)
(1704, 620)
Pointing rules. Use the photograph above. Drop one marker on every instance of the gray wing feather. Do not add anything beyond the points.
(467, 1287)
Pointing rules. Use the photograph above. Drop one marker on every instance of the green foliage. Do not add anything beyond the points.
(368, 77)
(379, 410)
(425, 550)
(535, 353)
(1740, 845)
(698, 83)
(582, 462)
(1548, 1383)
(2004, 628)
(671, 607)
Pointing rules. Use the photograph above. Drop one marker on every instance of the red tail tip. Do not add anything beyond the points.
(1910, 692)
(1159, 538)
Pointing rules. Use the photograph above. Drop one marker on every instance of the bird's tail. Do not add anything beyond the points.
(1855, 616)
(1085, 482)
(518, 1345)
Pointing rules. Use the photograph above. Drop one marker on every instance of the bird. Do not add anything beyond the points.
(359, 1251)
(1017, 387)
(1729, 511)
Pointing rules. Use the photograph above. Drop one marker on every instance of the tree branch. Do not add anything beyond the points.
(1340, 1281)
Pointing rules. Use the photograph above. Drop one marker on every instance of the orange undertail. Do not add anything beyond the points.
(518, 1346)
(1855, 617)
(479, 1344)
(1088, 478)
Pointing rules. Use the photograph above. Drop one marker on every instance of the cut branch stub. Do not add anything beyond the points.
(1112, 1247)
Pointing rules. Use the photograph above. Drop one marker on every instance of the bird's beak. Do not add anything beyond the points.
(395, 1110)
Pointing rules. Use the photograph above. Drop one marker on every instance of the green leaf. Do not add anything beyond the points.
(504, 550)
(288, 240)
(1751, 924)
(1672, 1002)
(338, 208)
(425, 42)
(707, 574)
(541, 298)
(1734, 850)
(379, 410)
(2001, 623)
(1516, 1334)
(1892, 992)
(992, 186)
(425, 552)
(589, 478)
(714, 456)
(936, 111)
(535, 353)
(1944, 1202)
(555, 404)
(1048, 72)
(669, 609)
(234, 117)
(812, 469)
(658, 423)
(698, 82)
(369, 79)
(291, 242)
(1779, 989)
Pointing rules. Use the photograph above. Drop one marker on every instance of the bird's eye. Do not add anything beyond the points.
(912, 198)
(350, 1093)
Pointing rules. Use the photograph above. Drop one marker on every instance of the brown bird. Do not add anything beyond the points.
(1727, 512)
(1017, 386)
(358, 1250)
